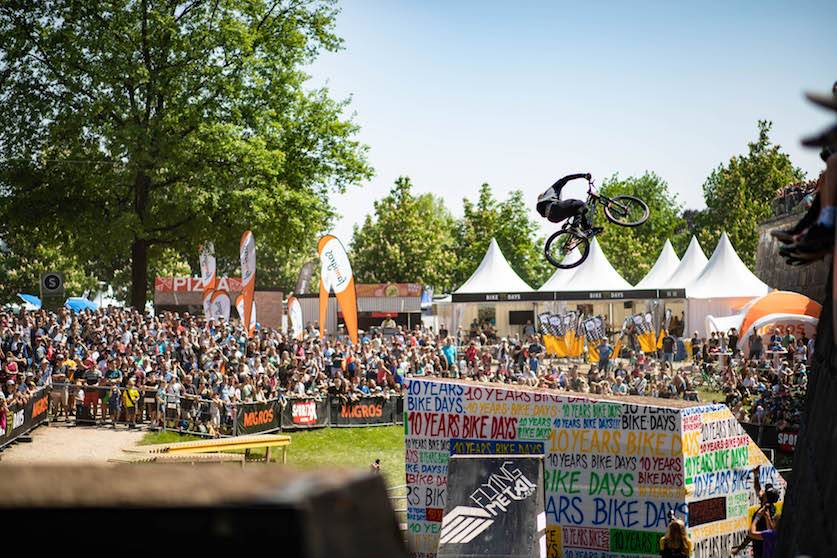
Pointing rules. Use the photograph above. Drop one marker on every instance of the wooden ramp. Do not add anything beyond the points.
(218, 445)
(183, 458)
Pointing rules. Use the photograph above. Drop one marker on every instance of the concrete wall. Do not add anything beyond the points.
(771, 268)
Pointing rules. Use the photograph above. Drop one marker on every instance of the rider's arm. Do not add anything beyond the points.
(563, 181)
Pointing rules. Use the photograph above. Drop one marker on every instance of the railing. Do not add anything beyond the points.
(191, 414)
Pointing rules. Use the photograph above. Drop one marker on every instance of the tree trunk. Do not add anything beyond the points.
(139, 248)
(139, 273)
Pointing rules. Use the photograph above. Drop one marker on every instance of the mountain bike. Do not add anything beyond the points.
(569, 246)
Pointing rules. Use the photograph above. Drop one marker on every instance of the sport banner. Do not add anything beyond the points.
(550, 340)
(645, 332)
(20, 419)
(304, 413)
(247, 254)
(295, 314)
(208, 277)
(254, 418)
(239, 307)
(366, 411)
(336, 276)
(220, 303)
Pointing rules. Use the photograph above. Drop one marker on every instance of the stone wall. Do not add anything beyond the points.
(771, 268)
(809, 521)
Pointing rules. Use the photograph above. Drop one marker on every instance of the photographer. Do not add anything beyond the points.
(675, 543)
(767, 511)
(766, 536)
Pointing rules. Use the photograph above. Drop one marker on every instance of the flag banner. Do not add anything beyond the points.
(601, 330)
(591, 330)
(247, 254)
(336, 276)
(206, 258)
(543, 324)
(295, 314)
(667, 318)
(250, 327)
(557, 325)
(220, 305)
(645, 332)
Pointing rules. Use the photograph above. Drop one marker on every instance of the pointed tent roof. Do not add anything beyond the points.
(596, 274)
(494, 275)
(725, 276)
(692, 264)
(561, 276)
(666, 264)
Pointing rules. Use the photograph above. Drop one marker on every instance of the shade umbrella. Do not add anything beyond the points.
(30, 299)
(78, 303)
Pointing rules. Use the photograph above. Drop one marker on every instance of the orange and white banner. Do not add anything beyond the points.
(336, 276)
(247, 254)
(220, 305)
(295, 313)
(208, 276)
(239, 306)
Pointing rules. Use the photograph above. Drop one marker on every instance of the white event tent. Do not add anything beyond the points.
(596, 274)
(666, 264)
(493, 286)
(494, 275)
(692, 264)
(724, 287)
(561, 276)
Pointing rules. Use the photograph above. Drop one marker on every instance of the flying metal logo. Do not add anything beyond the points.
(463, 524)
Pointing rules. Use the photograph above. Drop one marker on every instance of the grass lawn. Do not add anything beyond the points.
(330, 447)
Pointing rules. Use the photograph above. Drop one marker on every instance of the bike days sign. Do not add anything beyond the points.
(304, 413)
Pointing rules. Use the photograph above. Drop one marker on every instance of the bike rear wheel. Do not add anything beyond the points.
(566, 249)
(628, 211)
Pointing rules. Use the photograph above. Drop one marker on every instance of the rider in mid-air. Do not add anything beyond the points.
(551, 206)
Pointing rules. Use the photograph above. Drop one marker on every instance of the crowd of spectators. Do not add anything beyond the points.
(789, 198)
(119, 364)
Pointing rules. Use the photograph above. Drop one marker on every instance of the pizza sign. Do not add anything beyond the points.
(194, 284)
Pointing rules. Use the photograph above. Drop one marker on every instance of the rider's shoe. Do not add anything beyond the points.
(815, 244)
(593, 231)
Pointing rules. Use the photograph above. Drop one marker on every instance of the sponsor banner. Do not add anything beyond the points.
(247, 255)
(388, 289)
(220, 305)
(365, 411)
(194, 284)
(336, 276)
(254, 418)
(304, 413)
(295, 313)
(20, 419)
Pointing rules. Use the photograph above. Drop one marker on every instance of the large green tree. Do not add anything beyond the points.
(509, 222)
(633, 251)
(738, 194)
(143, 126)
(409, 239)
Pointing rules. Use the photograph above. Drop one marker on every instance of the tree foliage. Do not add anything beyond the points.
(141, 127)
(633, 251)
(409, 239)
(507, 221)
(738, 194)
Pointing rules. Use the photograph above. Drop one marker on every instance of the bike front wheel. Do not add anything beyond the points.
(628, 211)
(566, 249)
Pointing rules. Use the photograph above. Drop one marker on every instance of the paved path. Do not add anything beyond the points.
(60, 443)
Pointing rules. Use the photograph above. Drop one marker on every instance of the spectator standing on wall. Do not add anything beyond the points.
(756, 345)
(675, 543)
(605, 352)
(669, 344)
(696, 348)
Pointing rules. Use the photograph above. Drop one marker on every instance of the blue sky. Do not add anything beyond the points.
(517, 94)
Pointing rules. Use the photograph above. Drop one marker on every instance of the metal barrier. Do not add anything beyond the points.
(213, 418)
